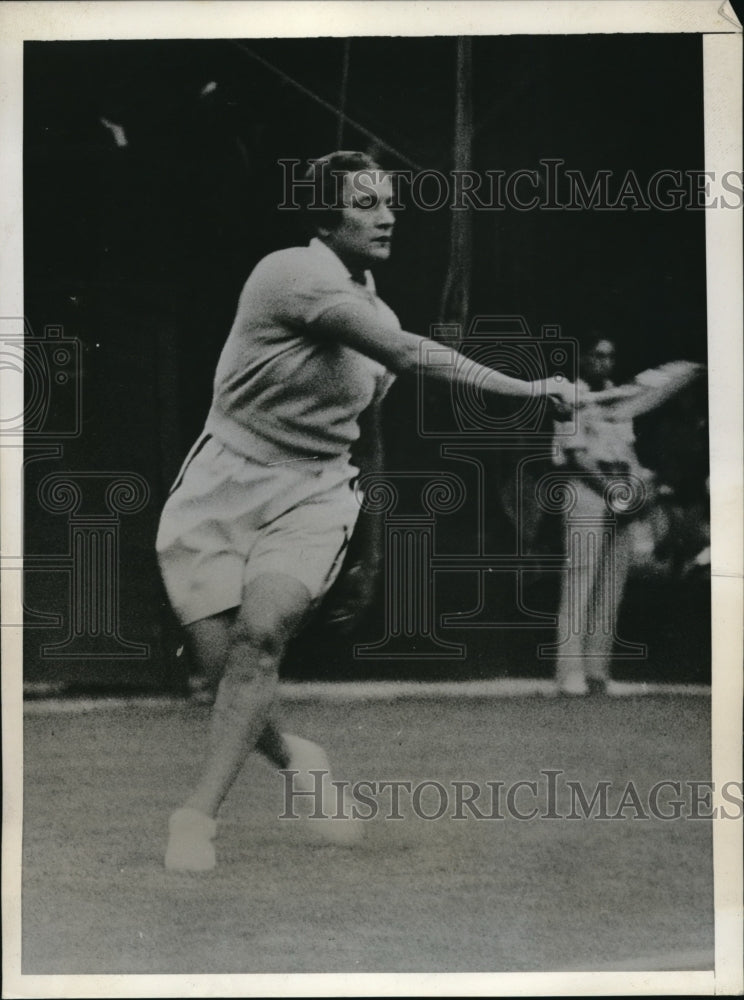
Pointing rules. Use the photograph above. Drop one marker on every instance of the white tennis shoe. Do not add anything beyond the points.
(190, 847)
(337, 824)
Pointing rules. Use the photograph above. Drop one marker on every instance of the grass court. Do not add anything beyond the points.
(416, 895)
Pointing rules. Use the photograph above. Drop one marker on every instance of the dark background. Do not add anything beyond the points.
(140, 252)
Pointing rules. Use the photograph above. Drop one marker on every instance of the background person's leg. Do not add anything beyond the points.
(610, 578)
(576, 595)
(584, 529)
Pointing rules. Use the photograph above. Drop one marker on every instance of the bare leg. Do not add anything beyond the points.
(272, 745)
(249, 644)
(274, 606)
(209, 640)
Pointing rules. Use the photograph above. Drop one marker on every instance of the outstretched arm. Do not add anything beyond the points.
(648, 390)
(357, 325)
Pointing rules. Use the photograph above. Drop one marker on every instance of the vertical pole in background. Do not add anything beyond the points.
(455, 303)
(342, 93)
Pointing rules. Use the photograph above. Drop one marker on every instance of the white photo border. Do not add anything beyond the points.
(722, 49)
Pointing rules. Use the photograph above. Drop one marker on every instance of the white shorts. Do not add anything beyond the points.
(229, 519)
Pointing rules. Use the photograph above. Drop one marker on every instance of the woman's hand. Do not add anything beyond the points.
(561, 396)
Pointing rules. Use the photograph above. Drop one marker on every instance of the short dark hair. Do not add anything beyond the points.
(589, 342)
(323, 206)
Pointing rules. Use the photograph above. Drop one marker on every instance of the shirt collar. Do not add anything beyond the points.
(318, 246)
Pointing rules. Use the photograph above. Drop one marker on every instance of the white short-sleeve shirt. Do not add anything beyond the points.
(280, 393)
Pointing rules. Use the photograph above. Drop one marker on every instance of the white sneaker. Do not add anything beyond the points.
(337, 826)
(190, 847)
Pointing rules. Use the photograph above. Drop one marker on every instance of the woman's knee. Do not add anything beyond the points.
(255, 652)
(273, 608)
(265, 637)
(271, 614)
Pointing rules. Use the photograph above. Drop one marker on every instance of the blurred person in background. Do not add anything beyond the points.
(605, 538)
